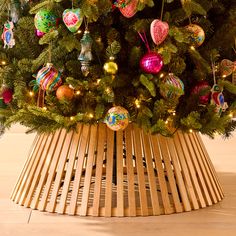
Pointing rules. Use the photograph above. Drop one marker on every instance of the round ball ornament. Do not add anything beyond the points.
(199, 89)
(7, 95)
(151, 63)
(173, 87)
(117, 118)
(110, 67)
(197, 36)
(38, 33)
(45, 20)
(49, 78)
(64, 92)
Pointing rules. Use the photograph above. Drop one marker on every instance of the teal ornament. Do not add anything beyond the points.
(73, 19)
(117, 118)
(86, 56)
(45, 20)
(172, 87)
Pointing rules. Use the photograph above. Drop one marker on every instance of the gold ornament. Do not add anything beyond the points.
(110, 67)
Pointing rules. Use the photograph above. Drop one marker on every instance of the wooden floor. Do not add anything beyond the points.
(217, 220)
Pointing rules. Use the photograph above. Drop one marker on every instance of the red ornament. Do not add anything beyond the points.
(151, 62)
(130, 9)
(199, 88)
(7, 95)
(159, 31)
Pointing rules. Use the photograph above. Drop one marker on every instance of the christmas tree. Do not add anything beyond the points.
(163, 65)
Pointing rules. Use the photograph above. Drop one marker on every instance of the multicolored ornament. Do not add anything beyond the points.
(159, 31)
(38, 33)
(117, 118)
(49, 78)
(64, 92)
(172, 87)
(217, 99)
(227, 67)
(201, 87)
(130, 8)
(197, 36)
(151, 63)
(7, 35)
(86, 56)
(45, 20)
(73, 19)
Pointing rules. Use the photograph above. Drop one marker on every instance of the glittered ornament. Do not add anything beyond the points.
(86, 56)
(64, 92)
(117, 118)
(227, 67)
(159, 31)
(217, 99)
(7, 95)
(172, 87)
(197, 34)
(73, 19)
(7, 35)
(110, 67)
(151, 63)
(202, 89)
(130, 8)
(38, 33)
(49, 78)
(45, 20)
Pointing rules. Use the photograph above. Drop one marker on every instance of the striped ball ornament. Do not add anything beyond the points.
(172, 87)
(49, 78)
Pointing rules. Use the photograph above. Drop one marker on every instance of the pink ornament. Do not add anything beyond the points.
(198, 89)
(159, 31)
(7, 95)
(38, 33)
(130, 9)
(151, 63)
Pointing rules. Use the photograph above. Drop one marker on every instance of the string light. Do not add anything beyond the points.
(79, 31)
(44, 108)
(31, 94)
(166, 122)
(190, 131)
(90, 115)
(108, 90)
(137, 103)
(231, 115)
(161, 75)
(77, 93)
(174, 113)
(72, 118)
(3, 62)
(192, 48)
(224, 76)
(98, 81)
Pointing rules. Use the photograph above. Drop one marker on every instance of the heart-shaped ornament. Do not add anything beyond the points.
(130, 9)
(159, 31)
(73, 19)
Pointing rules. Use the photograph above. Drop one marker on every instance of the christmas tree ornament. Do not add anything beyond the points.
(151, 62)
(110, 67)
(73, 19)
(173, 87)
(197, 34)
(49, 78)
(7, 95)
(159, 31)
(64, 92)
(128, 8)
(15, 10)
(38, 33)
(117, 118)
(202, 89)
(86, 56)
(45, 20)
(227, 67)
(7, 35)
(217, 99)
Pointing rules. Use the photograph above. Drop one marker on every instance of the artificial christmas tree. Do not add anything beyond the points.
(162, 62)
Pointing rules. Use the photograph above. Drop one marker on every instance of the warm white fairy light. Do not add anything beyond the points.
(90, 115)
(161, 75)
(31, 93)
(192, 48)
(77, 92)
(190, 131)
(72, 118)
(137, 103)
(44, 108)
